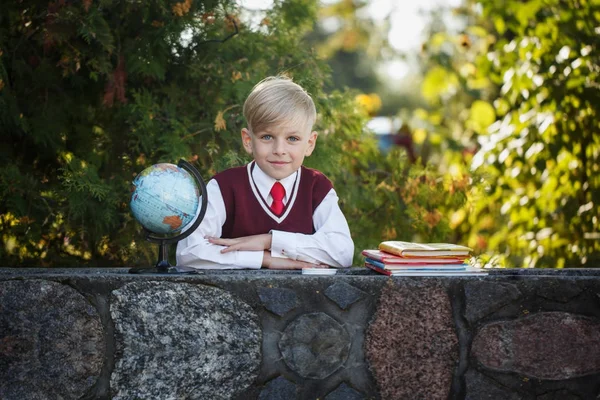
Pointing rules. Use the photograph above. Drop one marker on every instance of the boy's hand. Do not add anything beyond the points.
(286, 263)
(249, 243)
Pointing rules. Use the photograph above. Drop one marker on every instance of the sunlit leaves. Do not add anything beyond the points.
(482, 115)
(525, 12)
(544, 83)
(439, 83)
(70, 157)
(538, 131)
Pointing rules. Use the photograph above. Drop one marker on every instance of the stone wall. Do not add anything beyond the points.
(107, 334)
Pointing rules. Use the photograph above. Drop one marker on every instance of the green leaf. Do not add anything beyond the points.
(482, 115)
(500, 25)
(438, 82)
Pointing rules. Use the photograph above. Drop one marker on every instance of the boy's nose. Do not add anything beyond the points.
(279, 147)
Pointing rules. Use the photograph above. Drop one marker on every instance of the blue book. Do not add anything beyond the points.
(468, 271)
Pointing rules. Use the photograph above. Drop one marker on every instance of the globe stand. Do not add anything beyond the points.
(163, 266)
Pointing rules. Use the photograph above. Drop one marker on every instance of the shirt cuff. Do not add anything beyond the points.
(249, 259)
(283, 244)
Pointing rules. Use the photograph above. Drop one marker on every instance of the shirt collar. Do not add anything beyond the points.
(264, 183)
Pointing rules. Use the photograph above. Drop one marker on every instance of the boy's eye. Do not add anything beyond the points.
(266, 137)
(293, 139)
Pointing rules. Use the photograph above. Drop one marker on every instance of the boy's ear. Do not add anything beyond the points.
(312, 142)
(247, 140)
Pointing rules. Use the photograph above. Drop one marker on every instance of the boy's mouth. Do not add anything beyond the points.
(278, 162)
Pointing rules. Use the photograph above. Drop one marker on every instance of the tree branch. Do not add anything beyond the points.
(224, 39)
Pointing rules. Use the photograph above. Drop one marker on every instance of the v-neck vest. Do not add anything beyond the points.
(249, 214)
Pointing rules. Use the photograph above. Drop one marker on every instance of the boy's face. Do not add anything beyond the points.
(279, 150)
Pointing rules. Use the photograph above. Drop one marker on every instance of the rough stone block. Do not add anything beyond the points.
(344, 392)
(176, 340)
(51, 341)
(481, 388)
(561, 291)
(411, 343)
(343, 294)
(278, 389)
(483, 298)
(314, 345)
(278, 300)
(547, 345)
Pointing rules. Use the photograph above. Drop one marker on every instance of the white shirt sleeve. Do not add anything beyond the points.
(331, 244)
(195, 251)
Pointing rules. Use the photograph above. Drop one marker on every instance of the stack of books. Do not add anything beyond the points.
(395, 258)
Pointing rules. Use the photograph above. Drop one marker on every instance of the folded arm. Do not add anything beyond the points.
(261, 242)
(330, 245)
(205, 249)
(197, 251)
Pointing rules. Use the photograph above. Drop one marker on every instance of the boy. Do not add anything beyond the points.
(258, 215)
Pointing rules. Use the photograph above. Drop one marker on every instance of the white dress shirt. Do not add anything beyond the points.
(331, 244)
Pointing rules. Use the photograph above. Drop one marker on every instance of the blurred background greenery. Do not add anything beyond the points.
(473, 122)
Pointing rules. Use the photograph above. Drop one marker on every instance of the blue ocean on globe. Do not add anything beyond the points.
(164, 198)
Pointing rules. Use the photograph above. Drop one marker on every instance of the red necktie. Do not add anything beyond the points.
(277, 192)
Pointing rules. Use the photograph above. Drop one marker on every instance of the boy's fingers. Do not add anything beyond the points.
(305, 264)
(233, 247)
(222, 242)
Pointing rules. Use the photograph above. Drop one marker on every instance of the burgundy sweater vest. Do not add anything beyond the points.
(245, 207)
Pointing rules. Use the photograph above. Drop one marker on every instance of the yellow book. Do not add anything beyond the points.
(410, 249)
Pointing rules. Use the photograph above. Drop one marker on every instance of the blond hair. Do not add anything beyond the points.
(277, 100)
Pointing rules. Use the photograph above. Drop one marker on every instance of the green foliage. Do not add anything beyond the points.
(524, 91)
(93, 92)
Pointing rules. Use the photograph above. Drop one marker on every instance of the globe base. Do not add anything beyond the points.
(163, 266)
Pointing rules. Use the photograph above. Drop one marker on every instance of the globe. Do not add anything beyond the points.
(164, 198)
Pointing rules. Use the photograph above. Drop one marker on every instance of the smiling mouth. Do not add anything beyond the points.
(278, 162)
